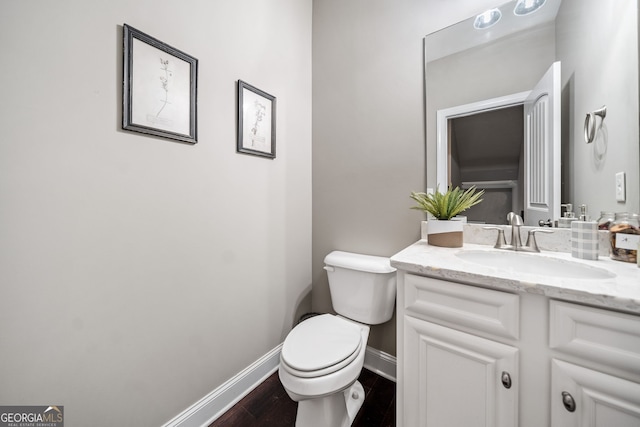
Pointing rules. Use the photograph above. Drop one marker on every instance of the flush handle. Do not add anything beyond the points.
(329, 268)
(568, 401)
(506, 379)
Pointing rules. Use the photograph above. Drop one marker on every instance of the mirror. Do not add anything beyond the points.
(597, 45)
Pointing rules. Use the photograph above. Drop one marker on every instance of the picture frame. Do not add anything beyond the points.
(256, 121)
(159, 90)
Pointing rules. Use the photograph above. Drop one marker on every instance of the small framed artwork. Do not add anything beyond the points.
(256, 121)
(159, 88)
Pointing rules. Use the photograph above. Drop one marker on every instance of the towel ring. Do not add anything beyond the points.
(590, 131)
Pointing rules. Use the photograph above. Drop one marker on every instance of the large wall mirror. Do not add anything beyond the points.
(477, 82)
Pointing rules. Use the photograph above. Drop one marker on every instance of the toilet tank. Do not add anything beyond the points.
(363, 287)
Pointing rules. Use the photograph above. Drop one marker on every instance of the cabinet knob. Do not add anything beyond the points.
(506, 379)
(568, 401)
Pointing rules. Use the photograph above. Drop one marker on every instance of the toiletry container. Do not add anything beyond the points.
(624, 236)
(568, 217)
(605, 220)
(584, 240)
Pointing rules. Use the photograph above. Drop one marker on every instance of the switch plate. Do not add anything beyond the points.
(621, 191)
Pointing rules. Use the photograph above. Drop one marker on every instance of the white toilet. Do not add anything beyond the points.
(322, 356)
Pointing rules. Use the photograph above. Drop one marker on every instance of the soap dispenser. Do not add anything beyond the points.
(583, 213)
(568, 216)
(584, 237)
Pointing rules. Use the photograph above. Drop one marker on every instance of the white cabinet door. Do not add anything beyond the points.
(582, 397)
(455, 379)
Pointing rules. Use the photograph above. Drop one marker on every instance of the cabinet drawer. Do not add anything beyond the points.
(596, 334)
(474, 308)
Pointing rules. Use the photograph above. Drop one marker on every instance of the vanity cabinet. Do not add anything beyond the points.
(455, 377)
(475, 356)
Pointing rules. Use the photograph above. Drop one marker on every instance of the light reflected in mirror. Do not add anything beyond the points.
(597, 45)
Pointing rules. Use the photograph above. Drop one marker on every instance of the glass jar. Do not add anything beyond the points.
(624, 236)
(605, 220)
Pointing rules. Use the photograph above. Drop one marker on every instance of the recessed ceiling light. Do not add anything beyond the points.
(525, 7)
(487, 19)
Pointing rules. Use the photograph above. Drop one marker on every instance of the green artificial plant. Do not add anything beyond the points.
(446, 205)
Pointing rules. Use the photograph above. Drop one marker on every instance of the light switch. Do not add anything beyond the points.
(621, 191)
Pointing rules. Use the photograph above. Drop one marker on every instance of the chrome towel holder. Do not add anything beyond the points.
(590, 130)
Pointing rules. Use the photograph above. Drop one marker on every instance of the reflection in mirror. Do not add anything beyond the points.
(498, 170)
(597, 45)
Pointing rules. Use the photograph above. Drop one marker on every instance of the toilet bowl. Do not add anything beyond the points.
(322, 357)
(319, 370)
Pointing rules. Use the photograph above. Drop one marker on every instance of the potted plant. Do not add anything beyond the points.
(442, 230)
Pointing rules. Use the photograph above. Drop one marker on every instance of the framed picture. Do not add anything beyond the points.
(159, 88)
(256, 121)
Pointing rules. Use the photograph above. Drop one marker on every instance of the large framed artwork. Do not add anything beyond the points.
(159, 88)
(256, 121)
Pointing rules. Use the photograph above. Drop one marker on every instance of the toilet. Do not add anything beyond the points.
(322, 357)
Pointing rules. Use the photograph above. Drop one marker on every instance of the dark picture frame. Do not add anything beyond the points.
(256, 121)
(159, 90)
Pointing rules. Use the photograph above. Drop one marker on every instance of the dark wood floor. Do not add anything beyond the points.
(270, 406)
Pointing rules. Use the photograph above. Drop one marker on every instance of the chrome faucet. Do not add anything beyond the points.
(515, 221)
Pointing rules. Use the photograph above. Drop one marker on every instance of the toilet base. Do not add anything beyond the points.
(335, 410)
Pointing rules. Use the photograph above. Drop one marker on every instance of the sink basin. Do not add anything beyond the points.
(519, 262)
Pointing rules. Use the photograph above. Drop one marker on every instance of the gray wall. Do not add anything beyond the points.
(138, 274)
(368, 128)
(368, 133)
(600, 67)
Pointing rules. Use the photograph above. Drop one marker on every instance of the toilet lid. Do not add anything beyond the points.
(320, 342)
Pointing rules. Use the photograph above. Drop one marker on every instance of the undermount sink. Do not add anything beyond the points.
(519, 262)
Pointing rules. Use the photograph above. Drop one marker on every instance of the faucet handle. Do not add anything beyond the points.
(500, 242)
(531, 244)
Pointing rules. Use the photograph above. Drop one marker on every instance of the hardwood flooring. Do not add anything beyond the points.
(270, 406)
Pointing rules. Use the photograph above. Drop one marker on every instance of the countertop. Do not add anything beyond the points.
(621, 292)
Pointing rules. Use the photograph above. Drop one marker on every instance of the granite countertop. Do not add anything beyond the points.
(620, 292)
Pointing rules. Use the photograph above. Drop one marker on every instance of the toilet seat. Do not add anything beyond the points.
(321, 345)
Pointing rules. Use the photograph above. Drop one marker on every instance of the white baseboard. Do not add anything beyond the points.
(380, 363)
(212, 406)
(216, 403)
